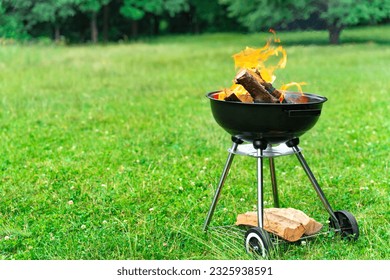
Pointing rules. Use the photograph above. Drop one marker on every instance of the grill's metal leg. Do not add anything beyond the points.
(260, 145)
(273, 181)
(226, 169)
(260, 204)
(294, 145)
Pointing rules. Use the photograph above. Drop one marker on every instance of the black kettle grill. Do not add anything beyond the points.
(269, 130)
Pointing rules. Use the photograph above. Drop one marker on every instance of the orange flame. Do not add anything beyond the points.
(256, 58)
(292, 84)
(263, 60)
(276, 40)
(236, 88)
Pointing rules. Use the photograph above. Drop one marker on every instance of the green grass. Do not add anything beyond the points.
(111, 152)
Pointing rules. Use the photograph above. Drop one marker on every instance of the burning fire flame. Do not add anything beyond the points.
(260, 60)
(256, 59)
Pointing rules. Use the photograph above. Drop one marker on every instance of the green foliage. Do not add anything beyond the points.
(206, 10)
(130, 19)
(11, 25)
(111, 152)
(53, 10)
(91, 5)
(337, 14)
(132, 9)
(33, 12)
(351, 12)
(258, 15)
(174, 7)
(135, 9)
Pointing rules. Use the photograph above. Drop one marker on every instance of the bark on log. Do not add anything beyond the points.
(232, 97)
(269, 87)
(246, 98)
(250, 81)
(288, 223)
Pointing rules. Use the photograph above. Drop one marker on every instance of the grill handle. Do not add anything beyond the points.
(303, 113)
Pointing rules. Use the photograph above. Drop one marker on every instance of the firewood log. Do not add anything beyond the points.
(247, 78)
(284, 227)
(246, 98)
(311, 226)
(232, 97)
(288, 223)
(269, 87)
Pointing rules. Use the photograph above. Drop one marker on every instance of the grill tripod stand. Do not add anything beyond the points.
(257, 239)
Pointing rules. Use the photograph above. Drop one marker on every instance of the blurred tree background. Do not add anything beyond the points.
(80, 21)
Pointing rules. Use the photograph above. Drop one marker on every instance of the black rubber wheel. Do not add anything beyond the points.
(348, 224)
(257, 242)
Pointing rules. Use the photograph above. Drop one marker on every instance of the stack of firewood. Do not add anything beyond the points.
(288, 223)
(259, 90)
(250, 87)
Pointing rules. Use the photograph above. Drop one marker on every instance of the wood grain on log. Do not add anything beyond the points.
(250, 81)
(246, 98)
(269, 87)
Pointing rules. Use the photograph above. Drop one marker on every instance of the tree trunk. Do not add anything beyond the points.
(106, 18)
(194, 20)
(134, 28)
(57, 33)
(155, 25)
(94, 29)
(334, 34)
(196, 27)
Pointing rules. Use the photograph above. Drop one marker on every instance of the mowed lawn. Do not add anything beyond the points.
(111, 151)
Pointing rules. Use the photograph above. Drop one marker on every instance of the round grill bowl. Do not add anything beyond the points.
(271, 122)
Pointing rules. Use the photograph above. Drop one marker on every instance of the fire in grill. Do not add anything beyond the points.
(253, 81)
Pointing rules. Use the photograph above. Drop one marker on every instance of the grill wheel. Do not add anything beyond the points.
(348, 225)
(257, 242)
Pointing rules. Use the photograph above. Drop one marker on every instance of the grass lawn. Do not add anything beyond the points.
(111, 152)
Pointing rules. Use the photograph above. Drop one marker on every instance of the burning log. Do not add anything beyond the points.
(269, 87)
(231, 96)
(251, 82)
